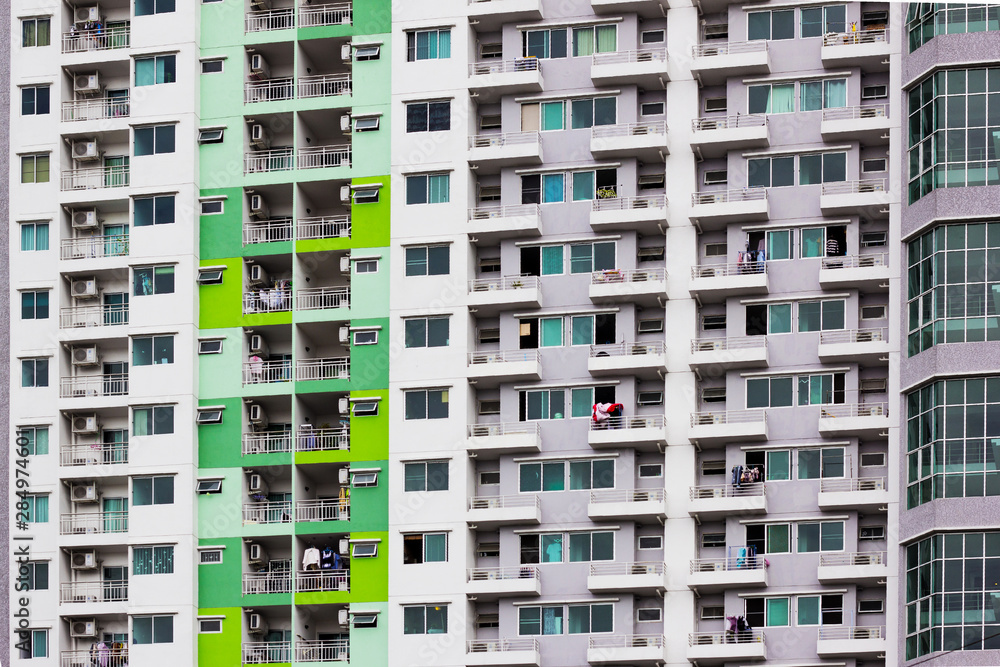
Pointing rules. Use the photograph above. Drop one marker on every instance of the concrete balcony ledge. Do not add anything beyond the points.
(491, 223)
(854, 196)
(713, 63)
(495, 582)
(642, 140)
(862, 420)
(715, 210)
(868, 272)
(715, 136)
(506, 148)
(493, 440)
(506, 77)
(645, 286)
(724, 500)
(643, 8)
(726, 353)
(717, 282)
(860, 493)
(502, 652)
(868, 567)
(861, 345)
(645, 578)
(862, 48)
(627, 504)
(643, 213)
(491, 295)
(495, 511)
(856, 642)
(641, 432)
(711, 429)
(718, 574)
(494, 13)
(716, 648)
(867, 124)
(646, 359)
(627, 649)
(505, 365)
(646, 68)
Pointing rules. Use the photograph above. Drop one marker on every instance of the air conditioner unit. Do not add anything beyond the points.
(83, 627)
(342, 616)
(345, 53)
(256, 484)
(343, 406)
(345, 193)
(258, 345)
(259, 138)
(87, 84)
(83, 560)
(85, 219)
(344, 475)
(86, 14)
(258, 67)
(85, 356)
(257, 416)
(86, 151)
(85, 424)
(345, 123)
(345, 546)
(256, 624)
(258, 207)
(257, 274)
(256, 555)
(345, 334)
(83, 493)
(84, 289)
(345, 264)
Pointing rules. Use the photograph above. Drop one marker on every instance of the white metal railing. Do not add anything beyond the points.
(266, 443)
(728, 196)
(625, 641)
(110, 590)
(320, 298)
(323, 509)
(855, 558)
(504, 283)
(316, 157)
(615, 423)
(855, 410)
(504, 139)
(729, 122)
(628, 349)
(325, 368)
(854, 187)
(263, 653)
(500, 645)
(856, 112)
(728, 48)
(323, 439)
(263, 583)
(488, 67)
(90, 523)
(851, 632)
(92, 178)
(628, 203)
(744, 637)
(101, 315)
(854, 336)
(632, 56)
(322, 650)
(324, 85)
(263, 372)
(856, 37)
(503, 356)
(86, 386)
(273, 511)
(267, 231)
(271, 300)
(95, 108)
(88, 247)
(102, 39)
(850, 484)
(276, 159)
(117, 657)
(501, 573)
(855, 261)
(727, 417)
(736, 343)
(504, 502)
(730, 564)
(505, 428)
(516, 211)
(97, 453)
(270, 19)
(753, 490)
(339, 13)
(627, 496)
(657, 127)
(269, 90)
(623, 568)
(323, 227)
(627, 276)
(726, 270)
(315, 581)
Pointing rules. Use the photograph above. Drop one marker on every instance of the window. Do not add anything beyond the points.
(492, 50)
(716, 104)
(873, 239)
(361, 479)
(769, 392)
(771, 318)
(153, 490)
(600, 183)
(778, 466)
(34, 236)
(713, 540)
(821, 463)
(551, 403)
(369, 337)
(583, 547)
(208, 416)
(651, 542)
(651, 181)
(544, 43)
(36, 578)
(818, 21)
(427, 189)
(152, 629)
(35, 168)
(592, 112)
(148, 7)
(713, 613)
(926, 20)
(543, 260)
(366, 53)
(152, 350)
(34, 372)
(425, 476)
(153, 280)
(489, 407)
(871, 606)
(35, 32)
(713, 467)
(154, 70)
(366, 123)
(648, 614)
(156, 420)
(208, 626)
(426, 404)
(590, 257)
(428, 116)
(871, 533)
(425, 620)
(211, 137)
(825, 389)
(873, 459)
(489, 478)
(427, 260)
(825, 168)
(825, 536)
(652, 37)
(362, 619)
(428, 45)
(717, 177)
(654, 254)
(426, 332)
(777, 538)
(366, 266)
(873, 165)
(651, 109)
(490, 122)
(364, 408)
(488, 550)
(771, 172)
(771, 98)
(35, 305)
(828, 94)
(364, 550)
(210, 277)
(563, 475)
(767, 612)
(649, 398)
(214, 66)
(363, 195)
(207, 486)
(35, 507)
(488, 336)
(595, 39)
(820, 610)
(35, 439)
(650, 470)
(152, 560)
(650, 326)
(874, 92)
(33, 644)
(771, 25)
(821, 315)
(425, 548)
(154, 140)
(551, 620)
(157, 210)
(34, 100)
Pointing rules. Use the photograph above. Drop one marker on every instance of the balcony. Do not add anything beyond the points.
(263, 653)
(717, 135)
(493, 440)
(323, 298)
(95, 108)
(323, 509)
(117, 657)
(94, 247)
(864, 494)
(323, 227)
(717, 282)
(93, 454)
(509, 148)
(641, 578)
(79, 592)
(646, 141)
(718, 574)
(321, 157)
(867, 124)
(855, 197)
(716, 648)
(506, 77)
(338, 13)
(270, 19)
(713, 64)
(101, 39)
(631, 649)
(94, 386)
(322, 650)
(323, 439)
(495, 582)
(273, 230)
(715, 210)
(95, 178)
(646, 68)
(102, 315)
(627, 505)
(491, 14)
(864, 346)
(276, 511)
(491, 295)
(864, 568)
(867, 272)
(93, 523)
(285, 159)
(322, 581)
(491, 368)
(266, 443)
(865, 420)
(489, 512)
(645, 433)
(646, 360)
(646, 214)
(858, 642)
(720, 501)
(713, 429)
(502, 652)
(326, 368)
(492, 223)
(267, 583)
(645, 286)
(265, 372)
(863, 48)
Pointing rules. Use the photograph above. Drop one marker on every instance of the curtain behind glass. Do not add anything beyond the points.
(783, 99)
(607, 39)
(583, 41)
(142, 561)
(142, 421)
(163, 560)
(27, 237)
(835, 94)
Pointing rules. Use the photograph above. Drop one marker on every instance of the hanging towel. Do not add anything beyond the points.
(310, 558)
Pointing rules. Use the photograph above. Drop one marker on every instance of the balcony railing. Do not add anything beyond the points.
(855, 410)
(324, 85)
(117, 657)
(270, 19)
(854, 336)
(87, 386)
(327, 368)
(611, 276)
(487, 67)
(726, 270)
(856, 558)
(93, 178)
(503, 502)
(102, 39)
(856, 261)
(112, 590)
(316, 581)
(322, 298)
(93, 454)
(501, 573)
(322, 650)
(620, 568)
(269, 90)
(727, 416)
(625, 57)
(101, 315)
(272, 300)
(317, 157)
(88, 247)
(506, 428)
(852, 632)
(737, 343)
(324, 227)
(500, 645)
(629, 203)
(263, 653)
(856, 37)
(267, 231)
(95, 108)
(856, 112)
(504, 139)
(850, 484)
(854, 187)
(737, 637)
(625, 641)
(266, 443)
(276, 159)
(629, 422)
(753, 490)
(728, 48)
(730, 564)
(91, 523)
(728, 196)
(729, 122)
(333, 14)
(628, 349)
(629, 130)
(323, 439)
(324, 509)
(504, 283)
(263, 372)
(503, 356)
(262, 583)
(626, 496)
(275, 511)
(516, 211)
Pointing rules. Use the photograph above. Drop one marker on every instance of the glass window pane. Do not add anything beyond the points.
(552, 548)
(810, 95)
(438, 261)
(605, 111)
(163, 490)
(583, 185)
(579, 549)
(758, 26)
(809, 464)
(759, 98)
(552, 188)
(778, 540)
(142, 351)
(832, 536)
(416, 189)
(552, 116)
(415, 332)
(778, 465)
(808, 537)
(145, 72)
(579, 478)
(415, 405)
(783, 98)
(437, 332)
(529, 477)
(776, 612)
(814, 242)
(809, 316)
(582, 402)
(781, 392)
(142, 629)
(834, 167)
(554, 476)
(437, 476)
(607, 39)
(552, 331)
(437, 404)
(583, 330)
(779, 318)
(413, 620)
(833, 315)
(582, 112)
(808, 613)
(602, 546)
(552, 257)
(783, 24)
(435, 548)
(835, 94)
